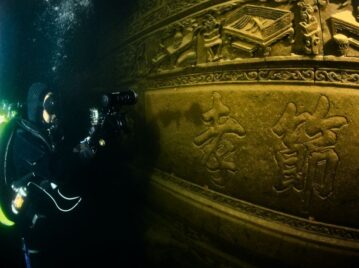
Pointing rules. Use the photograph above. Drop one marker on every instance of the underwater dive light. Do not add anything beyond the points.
(3, 119)
(7, 112)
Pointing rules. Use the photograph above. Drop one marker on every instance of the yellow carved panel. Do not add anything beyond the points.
(253, 107)
(289, 148)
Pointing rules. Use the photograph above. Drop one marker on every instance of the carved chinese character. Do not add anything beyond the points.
(218, 150)
(308, 159)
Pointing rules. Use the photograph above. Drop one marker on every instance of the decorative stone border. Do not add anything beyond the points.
(337, 76)
(333, 76)
(233, 76)
(294, 74)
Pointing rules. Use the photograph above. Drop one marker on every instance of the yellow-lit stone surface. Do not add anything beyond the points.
(238, 157)
(253, 112)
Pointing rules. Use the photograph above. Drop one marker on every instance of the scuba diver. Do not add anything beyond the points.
(35, 147)
(32, 154)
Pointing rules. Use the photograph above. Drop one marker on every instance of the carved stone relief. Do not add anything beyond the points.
(280, 146)
(227, 32)
(255, 101)
(239, 30)
(164, 9)
(219, 152)
(310, 29)
(345, 28)
(341, 77)
(336, 77)
(179, 49)
(251, 28)
(339, 20)
(225, 35)
(308, 159)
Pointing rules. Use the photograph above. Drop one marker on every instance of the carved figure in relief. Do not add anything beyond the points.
(308, 159)
(196, 42)
(177, 38)
(219, 151)
(310, 28)
(212, 40)
(179, 48)
(223, 34)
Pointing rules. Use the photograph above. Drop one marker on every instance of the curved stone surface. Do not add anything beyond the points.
(255, 106)
(230, 232)
(284, 147)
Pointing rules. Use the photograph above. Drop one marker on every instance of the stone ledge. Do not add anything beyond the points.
(267, 232)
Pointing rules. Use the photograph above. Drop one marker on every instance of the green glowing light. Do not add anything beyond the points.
(4, 220)
(6, 113)
(3, 119)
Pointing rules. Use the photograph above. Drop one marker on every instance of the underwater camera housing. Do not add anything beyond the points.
(107, 118)
(110, 104)
(117, 99)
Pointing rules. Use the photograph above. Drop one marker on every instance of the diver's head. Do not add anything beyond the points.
(49, 108)
(41, 105)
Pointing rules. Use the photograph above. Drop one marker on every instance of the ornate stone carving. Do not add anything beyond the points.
(165, 9)
(286, 75)
(277, 141)
(343, 43)
(345, 30)
(210, 41)
(235, 76)
(309, 28)
(211, 35)
(179, 49)
(337, 76)
(308, 159)
(341, 77)
(192, 41)
(251, 27)
(222, 34)
(218, 151)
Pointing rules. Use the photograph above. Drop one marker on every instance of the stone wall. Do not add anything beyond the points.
(254, 106)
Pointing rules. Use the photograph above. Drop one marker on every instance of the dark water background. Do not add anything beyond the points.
(62, 43)
(54, 40)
